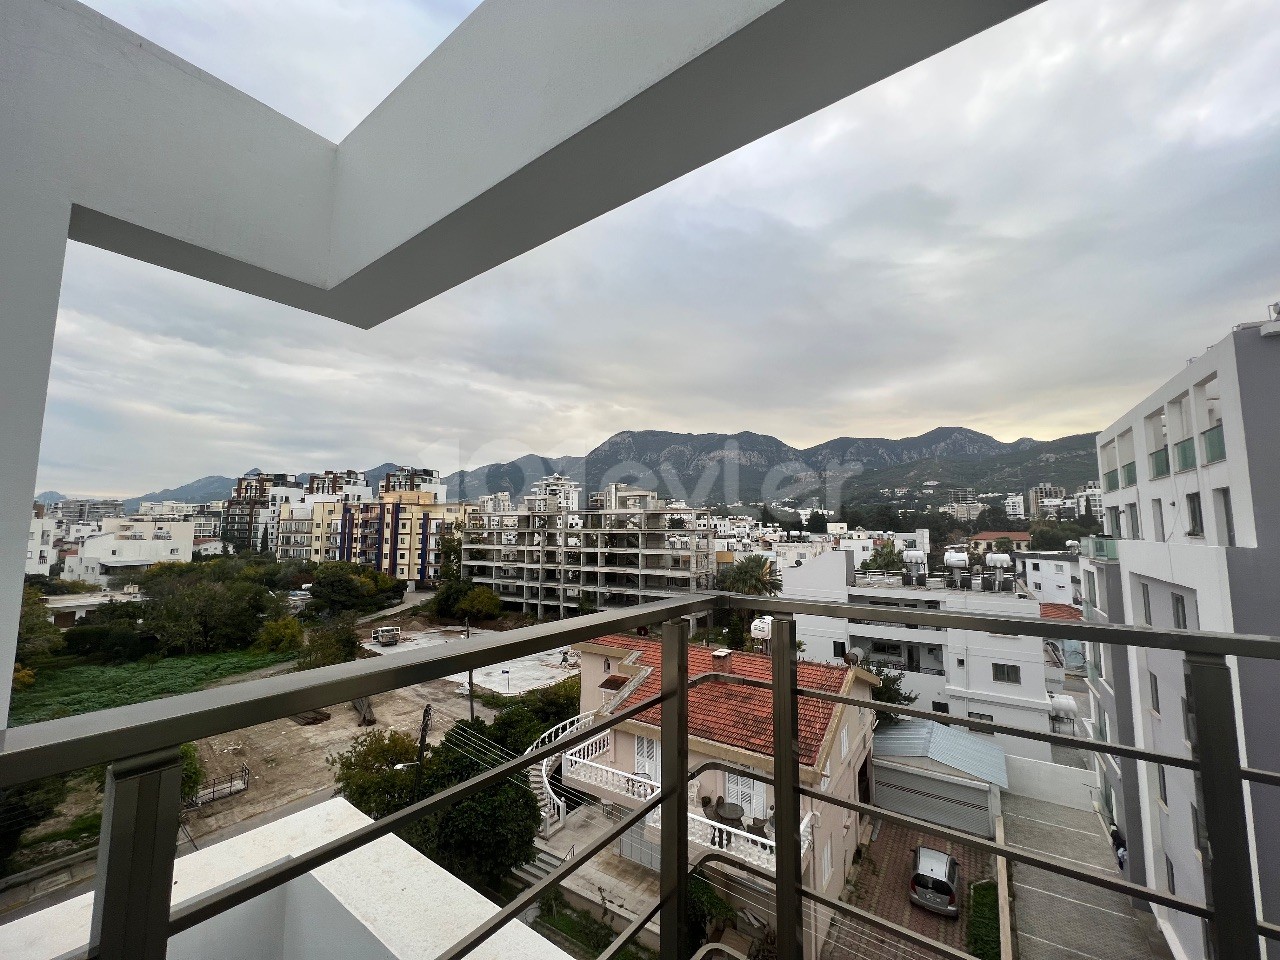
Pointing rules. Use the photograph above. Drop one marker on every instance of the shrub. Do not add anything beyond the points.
(447, 598)
(984, 921)
(192, 771)
(480, 603)
(283, 634)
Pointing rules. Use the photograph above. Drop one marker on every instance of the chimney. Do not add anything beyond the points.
(720, 660)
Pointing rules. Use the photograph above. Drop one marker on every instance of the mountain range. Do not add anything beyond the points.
(750, 467)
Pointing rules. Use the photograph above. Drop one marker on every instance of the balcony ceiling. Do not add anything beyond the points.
(529, 120)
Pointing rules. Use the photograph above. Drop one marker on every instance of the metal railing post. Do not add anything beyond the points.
(141, 805)
(1234, 927)
(786, 797)
(674, 918)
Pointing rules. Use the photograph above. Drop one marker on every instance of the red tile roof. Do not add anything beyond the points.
(1016, 536)
(1060, 611)
(615, 681)
(734, 715)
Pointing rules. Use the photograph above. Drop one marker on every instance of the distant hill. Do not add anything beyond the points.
(50, 496)
(750, 467)
(703, 468)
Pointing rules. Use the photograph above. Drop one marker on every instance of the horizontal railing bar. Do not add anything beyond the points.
(632, 931)
(1018, 854)
(246, 888)
(73, 743)
(1189, 641)
(716, 856)
(983, 726)
(1268, 930)
(521, 903)
(1268, 777)
(856, 913)
(986, 726)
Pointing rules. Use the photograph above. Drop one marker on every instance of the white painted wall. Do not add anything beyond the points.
(1052, 782)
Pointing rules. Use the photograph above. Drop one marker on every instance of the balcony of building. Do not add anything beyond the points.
(1098, 548)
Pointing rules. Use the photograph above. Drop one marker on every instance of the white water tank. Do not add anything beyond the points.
(956, 559)
(762, 628)
(914, 556)
(1063, 706)
(999, 560)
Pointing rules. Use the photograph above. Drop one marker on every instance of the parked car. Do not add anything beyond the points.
(935, 882)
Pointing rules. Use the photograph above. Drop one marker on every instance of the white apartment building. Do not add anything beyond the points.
(42, 550)
(863, 543)
(1089, 500)
(552, 558)
(1192, 515)
(128, 546)
(1050, 576)
(166, 508)
(980, 675)
(1015, 507)
(1041, 492)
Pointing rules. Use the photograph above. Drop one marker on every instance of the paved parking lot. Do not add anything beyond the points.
(1063, 919)
(882, 886)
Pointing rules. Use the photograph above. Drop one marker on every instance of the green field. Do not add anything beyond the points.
(63, 691)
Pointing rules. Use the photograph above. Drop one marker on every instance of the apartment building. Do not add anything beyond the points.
(248, 507)
(400, 533)
(1089, 500)
(552, 558)
(1051, 576)
(1041, 492)
(76, 510)
(863, 543)
(42, 550)
(128, 546)
(413, 480)
(1002, 679)
(733, 724)
(1192, 517)
(1015, 507)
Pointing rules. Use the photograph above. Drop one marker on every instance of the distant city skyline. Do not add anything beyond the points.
(1022, 236)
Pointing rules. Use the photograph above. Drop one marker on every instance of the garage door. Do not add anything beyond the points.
(938, 801)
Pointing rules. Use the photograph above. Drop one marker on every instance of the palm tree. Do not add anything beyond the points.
(754, 575)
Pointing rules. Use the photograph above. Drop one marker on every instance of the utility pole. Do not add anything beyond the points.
(422, 750)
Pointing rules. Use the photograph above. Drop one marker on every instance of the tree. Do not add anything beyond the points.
(480, 603)
(263, 547)
(487, 835)
(192, 771)
(282, 634)
(889, 691)
(1004, 545)
(817, 522)
(450, 558)
(366, 775)
(37, 636)
(885, 556)
(330, 641)
(447, 597)
(754, 575)
(24, 805)
(675, 522)
(340, 586)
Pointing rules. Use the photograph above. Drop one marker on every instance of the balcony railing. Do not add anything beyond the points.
(1215, 445)
(1111, 480)
(1129, 474)
(1184, 454)
(1100, 548)
(133, 916)
(1159, 462)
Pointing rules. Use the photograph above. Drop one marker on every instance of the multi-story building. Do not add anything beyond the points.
(348, 484)
(400, 533)
(1051, 576)
(1041, 492)
(166, 508)
(551, 558)
(733, 724)
(42, 549)
(413, 480)
(1015, 507)
(1004, 679)
(87, 510)
(1089, 500)
(863, 543)
(1192, 518)
(127, 546)
(965, 512)
(987, 540)
(247, 509)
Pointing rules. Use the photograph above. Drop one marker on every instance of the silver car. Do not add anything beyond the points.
(935, 882)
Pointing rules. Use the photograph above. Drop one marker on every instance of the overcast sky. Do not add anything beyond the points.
(1023, 235)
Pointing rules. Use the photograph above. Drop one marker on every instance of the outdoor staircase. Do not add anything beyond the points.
(554, 808)
(543, 862)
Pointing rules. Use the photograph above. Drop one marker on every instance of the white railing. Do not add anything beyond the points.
(750, 847)
(607, 778)
(556, 810)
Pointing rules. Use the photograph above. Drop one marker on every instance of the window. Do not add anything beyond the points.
(1188, 721)
(1146, 604)
(941, 706)
(1135, 527)
(1113, 521)
(838, 649)
(649, 759)
(1036, 585)
(1154, 684)
(844, 741)
(1006, 673)
(1157, 519)
(1168, 873)
(826, 861)
(826, 776)
(1059, 568)
(1179, 611)
(982, 716)
(1195, 516)
(746, 793)
(959, 661)
(1164, 784)
(1104, 731)
(1226, 519)
(1036, 567)
(1091, 587)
